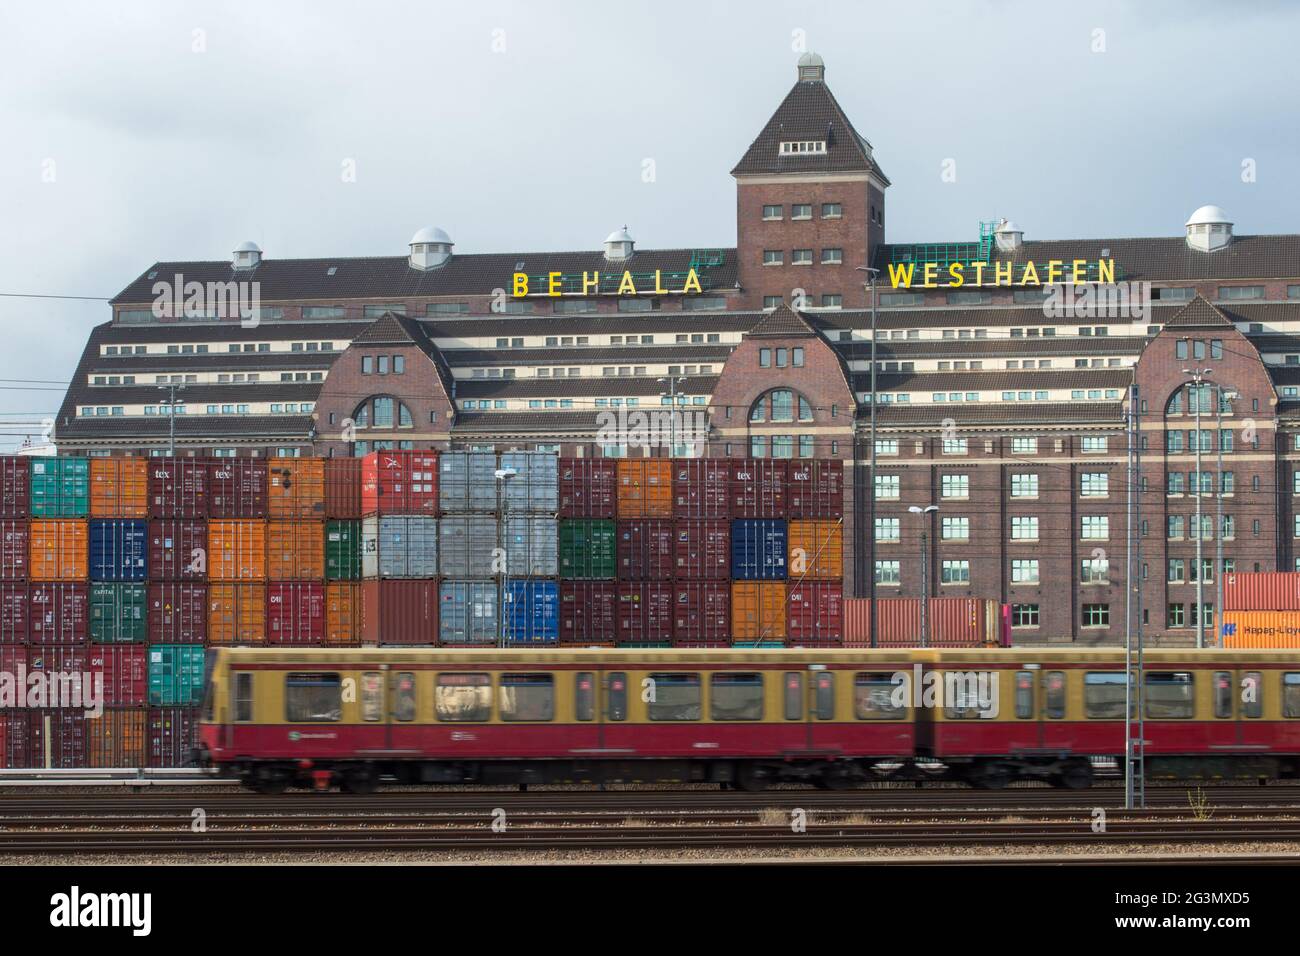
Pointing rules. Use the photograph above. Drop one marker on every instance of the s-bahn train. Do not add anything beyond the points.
(276, 718)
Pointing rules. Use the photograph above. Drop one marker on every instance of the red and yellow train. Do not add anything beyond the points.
(279, 717)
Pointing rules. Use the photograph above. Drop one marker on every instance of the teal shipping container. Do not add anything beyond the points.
(175, 675)
(343, 550)
(118, 614)
(60, 487)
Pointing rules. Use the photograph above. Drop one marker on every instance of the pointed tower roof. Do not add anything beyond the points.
(1200, 313)
(782, 322)
(392, 328)
(809, 112)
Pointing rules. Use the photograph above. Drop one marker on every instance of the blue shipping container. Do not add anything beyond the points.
(532, 612)
(758, 549)
(117, 549)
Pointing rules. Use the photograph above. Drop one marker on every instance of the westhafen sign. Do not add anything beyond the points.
(905, 275)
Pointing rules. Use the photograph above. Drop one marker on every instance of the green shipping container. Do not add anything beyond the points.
(118, 614)
(175, 675)
(343, 550)
(587, 550)
(60, 487)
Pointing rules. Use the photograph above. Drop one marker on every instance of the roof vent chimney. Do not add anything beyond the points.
(430, 248)
(1008, 236)
(1208, 229)
(247, 256)
(618, 245)
(812, 68)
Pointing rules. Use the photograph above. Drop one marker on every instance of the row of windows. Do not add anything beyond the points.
(828, 301)
(802, 257)
(313, 697)
(800, 211)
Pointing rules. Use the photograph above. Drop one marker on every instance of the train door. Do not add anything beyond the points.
(1027, 732)
(401, 710)
(611, 711)
(374, 713)
(824, 732)
(1237, 708)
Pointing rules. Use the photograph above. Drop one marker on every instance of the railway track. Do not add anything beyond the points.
(695, 820)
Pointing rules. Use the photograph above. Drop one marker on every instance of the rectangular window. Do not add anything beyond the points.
(1024, 615)
(824, 695)
(954, 446)
(463, 697)
(955, 572)
(1094, 443)
(773, 257)
(887, 529)
(526, 697)
(676, 697)
(372, 696)
(1024, 528)
(1024, 570)
(793, 695)
(1054, 694)
(1170, 695)
(1024, 486)
(955, 486)
(243, 695)
(1094, 484)
(873, 697)
(887, 572)
(955, 529)
(1094, 571)
(313, 697)
(887, 487)
(834, 210)
(1096, 615)
(736, 696)
(1103, 695)
(1094, 527)
(772, 212)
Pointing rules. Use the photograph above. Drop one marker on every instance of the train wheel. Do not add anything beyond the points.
(360, 780)
(270, 781)
(834, 780)
(991, 776)
(750, 778)
(1077, 776)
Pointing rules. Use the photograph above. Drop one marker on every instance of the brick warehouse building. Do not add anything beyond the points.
(1012, 422)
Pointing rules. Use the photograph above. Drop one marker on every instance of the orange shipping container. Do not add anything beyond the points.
(343, 613)
(119, 488)
(295, 550)
(645, 488)
(1275, 629)
(757, 610)
(59, 549)
(297, 488)
(816, 550)
(237, 550)
(237, 614)
(116, 739)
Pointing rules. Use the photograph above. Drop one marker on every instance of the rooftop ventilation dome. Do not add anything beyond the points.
(1008, 236)
(430, 248)
(812, 68)
(247, 255)
(619, 245)
(1208, 229)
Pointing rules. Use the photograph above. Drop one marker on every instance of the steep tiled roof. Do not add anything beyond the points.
(393, 277)
(391, 329)
(1198, 314)
(782, 322)
(809, 112)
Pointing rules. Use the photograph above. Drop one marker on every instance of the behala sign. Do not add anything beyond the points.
(903, 274)
(589, 283)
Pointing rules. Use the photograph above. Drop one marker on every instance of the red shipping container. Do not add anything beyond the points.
(14, 612)
(1262, 591)
(58, 612)
(15, 539)
(816, 488)
(588, 612)
(15, 493)
(399, 482)
(399, 611)
(17, 739)
(178, 550)
(237, 488)
(953, 622)
(645, 613)
(702, 613)
(178, 613)
(125, 671)
(702, 549)
(58, 739)
(814, 613)
(342, 487)
(700, 488)
(173, 733)
(588, 488)
(645, 549)
(758, 487)
(12, 659)
(178, 488)
(295, 614)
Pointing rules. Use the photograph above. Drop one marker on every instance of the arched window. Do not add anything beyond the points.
(382, 411)
(779, 405)
(1187, 398)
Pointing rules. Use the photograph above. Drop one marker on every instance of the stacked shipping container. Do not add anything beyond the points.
(1261, 609)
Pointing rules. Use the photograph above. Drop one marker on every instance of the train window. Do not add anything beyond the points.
(1222, 694)
(1252, 694)
(584, 695)
(243, 696)
(1024, 694)
(527, 697)
(463, 697)
(372, 695)
(873, 697)
(616, 705)
(736, 697)
(1291, 694)
(404, 696)
(1054, 683)
(1103, 695)
(969, 694)
(313, 697)
(824, 696)
(793, 695)
(674, 697)
(1169, 695)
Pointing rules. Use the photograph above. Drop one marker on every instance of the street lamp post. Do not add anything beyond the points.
(671, 381)
(171, 391)
(871, 459)
(1198, 378)
(502, 475)
(925, 571)
(1220, 398)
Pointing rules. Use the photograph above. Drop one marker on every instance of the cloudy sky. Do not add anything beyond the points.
(142, 131)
